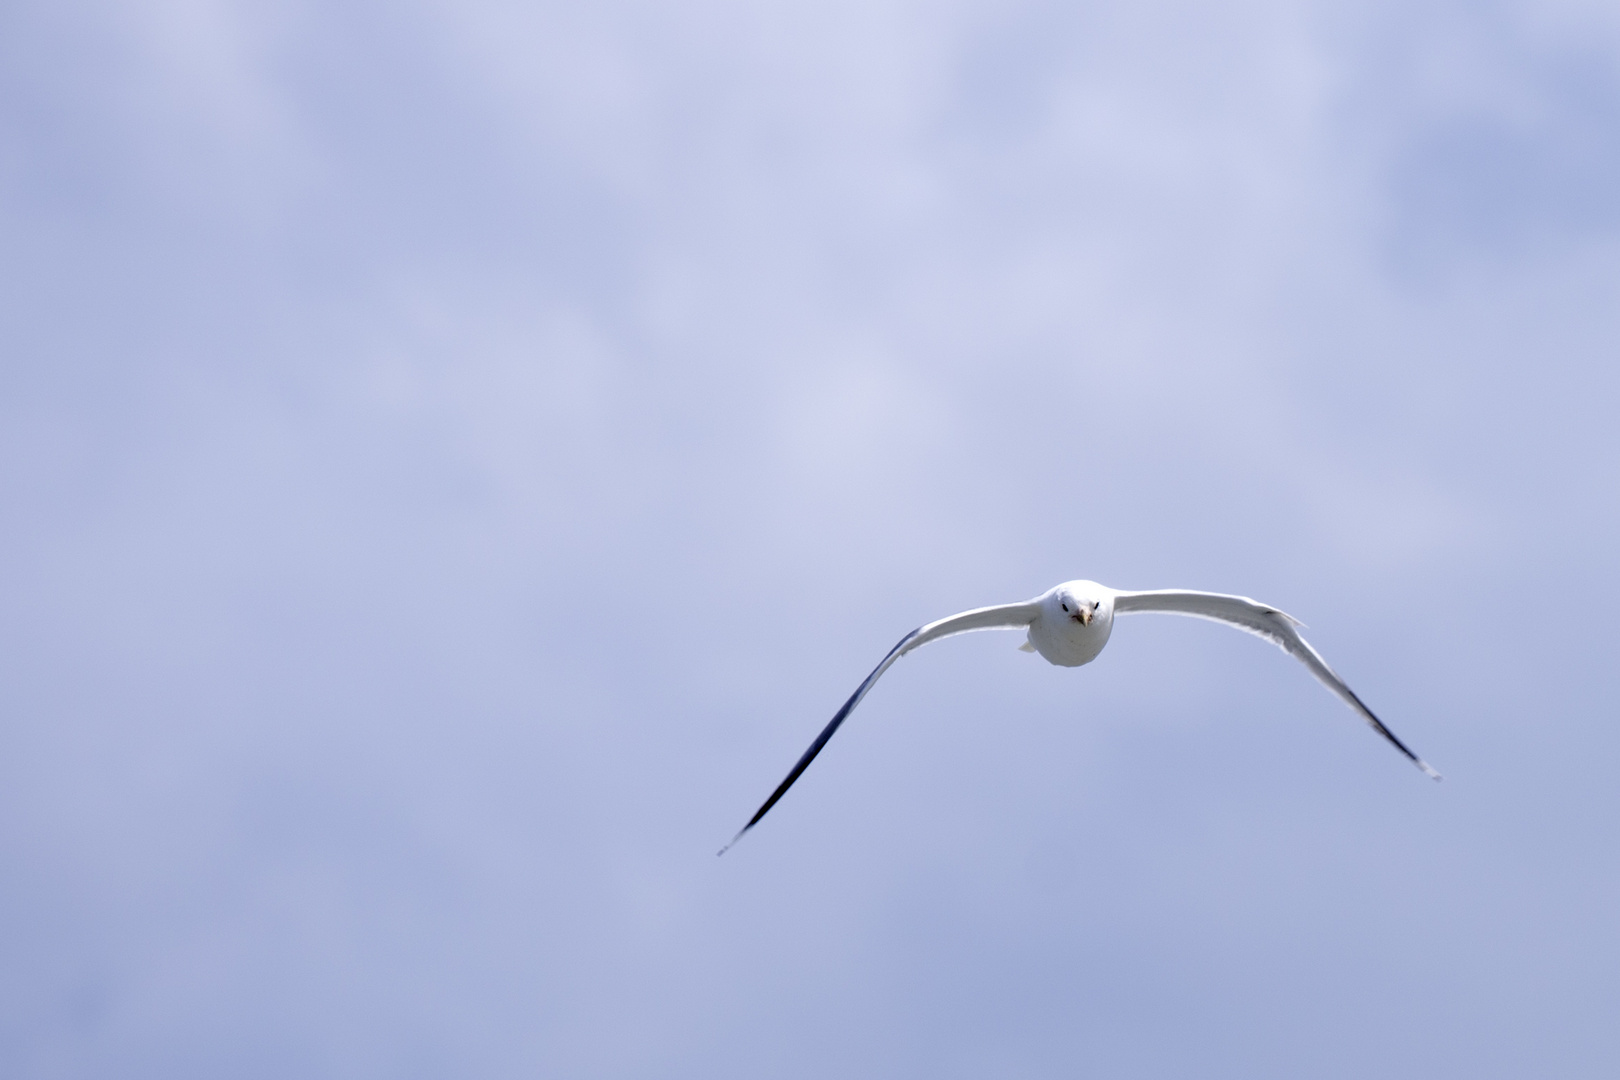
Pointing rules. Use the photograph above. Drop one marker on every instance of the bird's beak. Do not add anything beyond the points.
(1085, 616)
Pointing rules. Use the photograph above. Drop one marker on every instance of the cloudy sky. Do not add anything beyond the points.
(455, 456)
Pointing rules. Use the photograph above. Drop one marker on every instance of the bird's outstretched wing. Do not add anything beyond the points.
(1006, 616)
(1266, 621)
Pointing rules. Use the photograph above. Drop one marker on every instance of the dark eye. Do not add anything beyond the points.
(1065, 607)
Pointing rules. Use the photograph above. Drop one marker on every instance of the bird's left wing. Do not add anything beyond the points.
(1005, 616)
(1275, 626)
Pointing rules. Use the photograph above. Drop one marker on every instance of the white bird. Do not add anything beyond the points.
(1069, 624)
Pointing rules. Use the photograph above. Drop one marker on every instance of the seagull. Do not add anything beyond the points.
(1069, 624)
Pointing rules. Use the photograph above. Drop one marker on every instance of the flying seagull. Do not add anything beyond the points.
(1069, 624)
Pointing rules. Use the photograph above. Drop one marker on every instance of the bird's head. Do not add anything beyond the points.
(1083, 602)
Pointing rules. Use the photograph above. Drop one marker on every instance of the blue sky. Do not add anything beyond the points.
(456, 456)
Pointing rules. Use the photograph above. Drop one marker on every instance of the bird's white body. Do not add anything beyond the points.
(1073, 623)
(1070, 623)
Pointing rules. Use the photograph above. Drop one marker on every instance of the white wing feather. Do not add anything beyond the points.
(1278, 627)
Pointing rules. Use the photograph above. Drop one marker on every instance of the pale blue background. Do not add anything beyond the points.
(455, 456)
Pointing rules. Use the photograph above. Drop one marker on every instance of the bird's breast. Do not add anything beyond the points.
(1069, 642)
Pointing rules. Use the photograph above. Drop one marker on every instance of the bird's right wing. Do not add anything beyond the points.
(1277, 627)
(1005, 616)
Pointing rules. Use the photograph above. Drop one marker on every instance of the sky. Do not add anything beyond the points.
(455, 457)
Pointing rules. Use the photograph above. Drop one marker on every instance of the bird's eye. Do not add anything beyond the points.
(1065, 607)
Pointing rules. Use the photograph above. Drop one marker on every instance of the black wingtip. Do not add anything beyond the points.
(821, 741)
(1378, 726)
